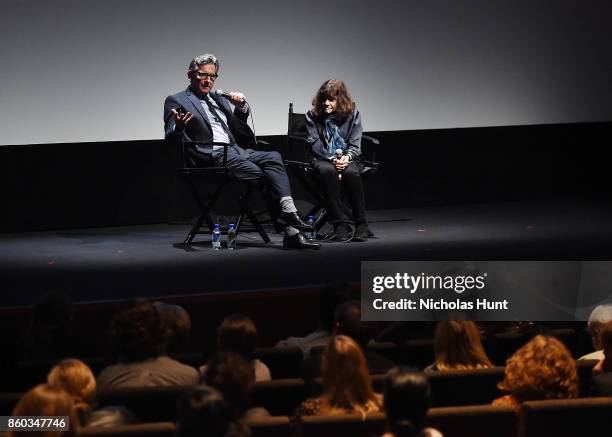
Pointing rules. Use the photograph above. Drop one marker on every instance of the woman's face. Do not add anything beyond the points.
(329, 104)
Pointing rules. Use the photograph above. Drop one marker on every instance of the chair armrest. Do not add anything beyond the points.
(191, 143)
(371, 139)
(298, 164)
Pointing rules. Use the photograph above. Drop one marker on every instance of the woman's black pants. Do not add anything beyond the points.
(352, 184)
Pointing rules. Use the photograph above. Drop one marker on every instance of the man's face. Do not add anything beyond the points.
(203, 79)
(329, 104)
(594, 329)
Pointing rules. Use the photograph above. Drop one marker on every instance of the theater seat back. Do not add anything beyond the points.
(474, 421)
(159, 429)
(571, 417)
(344, 425)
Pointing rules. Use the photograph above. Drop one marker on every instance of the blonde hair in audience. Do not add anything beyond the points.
(77, 379)
(347, 386)
(458, 346)
(46, 400)
(541, 369)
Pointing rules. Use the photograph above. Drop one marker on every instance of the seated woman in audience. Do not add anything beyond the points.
(229, 373)
(203, 412)
(47, 400)
(457, 346)
(238, 333)
(541, 369)
(407, 398)
(333, 125)
(347, 386)
(137, 338)
(76, 378)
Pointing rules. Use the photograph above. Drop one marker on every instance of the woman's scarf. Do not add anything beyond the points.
(332, 136)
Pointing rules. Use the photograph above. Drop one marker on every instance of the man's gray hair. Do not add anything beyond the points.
(601, 314)
(203, 60)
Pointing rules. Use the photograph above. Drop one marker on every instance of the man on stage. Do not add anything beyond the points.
(199, 115)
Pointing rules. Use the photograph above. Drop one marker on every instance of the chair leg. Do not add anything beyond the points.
(204, 210)
(257, 224)
(245, 210)
(194, 230)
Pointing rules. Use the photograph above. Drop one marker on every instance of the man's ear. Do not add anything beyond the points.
(189, 74)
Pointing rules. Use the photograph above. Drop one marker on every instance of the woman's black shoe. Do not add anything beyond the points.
(343, 233)
(362, 232)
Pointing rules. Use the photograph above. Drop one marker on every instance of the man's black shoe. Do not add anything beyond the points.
(293, 219)
(298, 241)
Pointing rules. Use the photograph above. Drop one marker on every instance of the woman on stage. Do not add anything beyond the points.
(334, 134)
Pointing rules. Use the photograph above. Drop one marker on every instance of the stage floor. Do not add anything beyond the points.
(145, 261)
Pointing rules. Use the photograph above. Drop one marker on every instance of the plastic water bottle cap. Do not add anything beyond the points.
(216, 225)
(231, 226)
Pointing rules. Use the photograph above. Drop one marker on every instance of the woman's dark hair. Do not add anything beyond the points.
(203, 412)
(136, 333)
(407, 398)
(333, 88)
(238, 333)
(229, 373)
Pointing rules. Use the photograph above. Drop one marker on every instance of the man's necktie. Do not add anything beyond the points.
(214, 112)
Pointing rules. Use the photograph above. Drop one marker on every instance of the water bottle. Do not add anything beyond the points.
(231, 236)
(216, 237)
(311, 235)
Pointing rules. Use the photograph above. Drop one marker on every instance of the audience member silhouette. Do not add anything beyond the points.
(541, 369)
(229, 373)
(407, 398)
(600, 315)
(176, 327)
(77, 379)
(331, 296)
(347, 321)
(47, 400)
(347, 385)
(238, 333)
(457, 346)
(602, 372)
(203, 412)
(50, 334)
(138, 346)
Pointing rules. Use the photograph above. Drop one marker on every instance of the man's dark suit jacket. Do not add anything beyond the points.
(198, 129)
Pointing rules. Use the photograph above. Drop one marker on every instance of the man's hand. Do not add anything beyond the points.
(237, 99)
(341, 163)
(181, 120)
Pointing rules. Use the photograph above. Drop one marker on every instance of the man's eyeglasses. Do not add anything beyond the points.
(210, 76)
